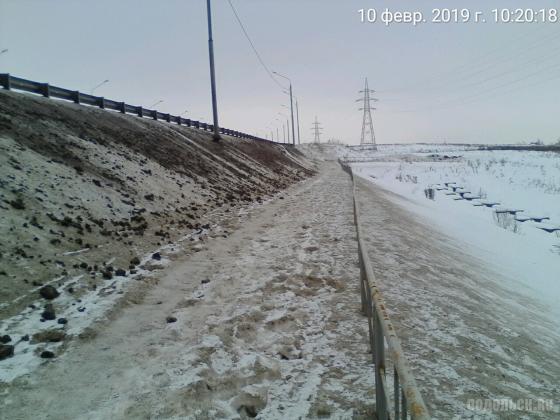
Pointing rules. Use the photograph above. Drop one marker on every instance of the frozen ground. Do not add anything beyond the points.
(92, 202)
(265, 308)
(268, 324)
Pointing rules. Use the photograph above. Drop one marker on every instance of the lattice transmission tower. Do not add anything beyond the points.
(317, 131)
(368, 134)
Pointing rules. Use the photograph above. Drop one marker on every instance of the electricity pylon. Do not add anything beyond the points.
(316, 131)
(368, 135)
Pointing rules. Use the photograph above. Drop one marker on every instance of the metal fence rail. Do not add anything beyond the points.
(407, 401)
(10, 82)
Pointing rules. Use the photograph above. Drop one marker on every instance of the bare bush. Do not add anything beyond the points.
(430, 193)
(507, 221)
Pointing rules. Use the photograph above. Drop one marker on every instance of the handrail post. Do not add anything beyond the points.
(397, 394)
(380, 400)
(403, 405)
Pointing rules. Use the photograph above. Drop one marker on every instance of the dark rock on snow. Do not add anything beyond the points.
(49, 313)
(47, 355)
(6, 351)
(49, 292)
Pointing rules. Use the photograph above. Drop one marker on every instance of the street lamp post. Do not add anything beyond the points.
(297, 115)
(284, 127)
(212, 73)
(156, 103)
(291, 105)
(285, 106)
(98, 86)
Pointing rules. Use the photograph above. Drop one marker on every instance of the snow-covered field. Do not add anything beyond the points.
(492, 183)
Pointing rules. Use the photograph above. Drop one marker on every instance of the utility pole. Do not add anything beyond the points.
(216, 136)
(278, 134)
(297, 115)
(284, 132)
(368, 135)
(288, 129)
(316, 131)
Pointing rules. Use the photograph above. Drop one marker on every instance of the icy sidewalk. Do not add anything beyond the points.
(268, 324)
(466, 336)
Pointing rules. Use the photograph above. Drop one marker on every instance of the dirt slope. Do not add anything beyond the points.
(87, 196)
(268, 325)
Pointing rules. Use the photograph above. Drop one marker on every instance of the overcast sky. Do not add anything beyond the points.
(486, 82)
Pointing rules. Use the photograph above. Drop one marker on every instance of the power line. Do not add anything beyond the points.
(263, 64)
(511, 71)
(478, 65)
(468, 99)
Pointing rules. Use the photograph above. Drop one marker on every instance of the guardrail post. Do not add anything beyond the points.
(45, 90)
(5, 81)
(168, 118)
(102, 103)
(77, 98)
(179, 119)
(140, 111)
(155, 115)
(122, 108)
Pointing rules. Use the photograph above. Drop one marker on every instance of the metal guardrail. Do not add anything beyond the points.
(406, 400)
(10, 82)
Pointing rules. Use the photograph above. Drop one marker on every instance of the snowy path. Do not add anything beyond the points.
(267, 322)
(465, 334)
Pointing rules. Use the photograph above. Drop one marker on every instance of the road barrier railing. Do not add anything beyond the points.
(10, 82)
(407, 401)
